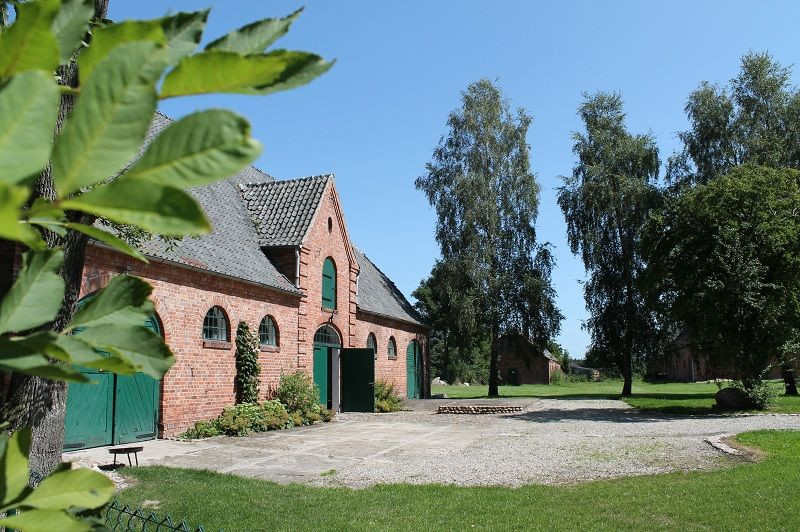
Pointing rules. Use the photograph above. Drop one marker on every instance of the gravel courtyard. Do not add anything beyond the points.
(553, 441)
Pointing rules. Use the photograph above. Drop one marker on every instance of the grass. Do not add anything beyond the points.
(670, 398)
(746, 496)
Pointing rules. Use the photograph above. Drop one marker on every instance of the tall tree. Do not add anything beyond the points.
(606, 202)
(754, 120)
(726, 257)
(486, 200)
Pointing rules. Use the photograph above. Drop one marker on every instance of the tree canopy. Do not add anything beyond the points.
(725, 259)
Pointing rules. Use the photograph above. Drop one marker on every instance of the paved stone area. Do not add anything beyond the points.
(552, 441)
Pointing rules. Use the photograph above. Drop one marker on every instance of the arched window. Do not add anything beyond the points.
(329, 284)
(392, 349)
(327, 335)
(268, 332)
(215, 325)
(372, 343)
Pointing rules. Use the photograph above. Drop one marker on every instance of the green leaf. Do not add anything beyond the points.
(123, 301)
(82, 488)
(155, 207)
(183, 32)
(110, 119)
(219, 71)
(71, 24)
(255, 37)
(14, 465)
(12, 203)
(198, 149)
(36, 295)
(98, 234)
(107, 38)
(29, 43)
(69, 347)
(137, 344)
(28, 111)
(26, 355)
(45, 521)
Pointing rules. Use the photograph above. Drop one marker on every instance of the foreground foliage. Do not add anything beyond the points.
(386, 399)
(760, 496)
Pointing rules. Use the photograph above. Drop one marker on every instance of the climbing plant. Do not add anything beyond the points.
(247, 367)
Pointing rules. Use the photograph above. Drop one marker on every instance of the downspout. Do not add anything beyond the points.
(297, 267)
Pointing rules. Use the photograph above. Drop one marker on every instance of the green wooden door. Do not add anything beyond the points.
(414, 370)
(358, 380)
(90, 411)
(136, 404)
(110, 409)
(322, 372)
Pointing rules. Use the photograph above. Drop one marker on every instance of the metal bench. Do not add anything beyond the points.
(128, 451)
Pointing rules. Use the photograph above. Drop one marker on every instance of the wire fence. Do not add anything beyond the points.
(123, 518)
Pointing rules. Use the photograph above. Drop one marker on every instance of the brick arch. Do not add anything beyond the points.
(93, 280)
(163, 315)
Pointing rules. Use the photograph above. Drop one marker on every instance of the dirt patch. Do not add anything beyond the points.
(746, 454)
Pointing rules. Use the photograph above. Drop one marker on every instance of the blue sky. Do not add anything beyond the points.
(375, 118)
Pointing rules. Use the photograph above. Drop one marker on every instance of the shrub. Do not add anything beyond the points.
(761, 394)
(326, 415)
(558, 378)
(247, 366)
(386, 400)
(296, 419)
(300, 396)
(201, 429)
(275, 415)
(241, 419)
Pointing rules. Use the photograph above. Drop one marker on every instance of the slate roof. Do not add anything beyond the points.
(283, 210)
(232, 248)
(377, 293)
(252, 210)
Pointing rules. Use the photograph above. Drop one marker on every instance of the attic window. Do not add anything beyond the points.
(330, 224)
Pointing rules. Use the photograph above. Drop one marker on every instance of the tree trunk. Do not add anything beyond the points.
(789, 381)
(33, 401)
(627, 367)
(494, 357)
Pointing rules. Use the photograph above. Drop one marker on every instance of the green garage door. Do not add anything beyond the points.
(111, 409)
(414, 370)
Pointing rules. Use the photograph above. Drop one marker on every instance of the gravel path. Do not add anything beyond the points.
(554, 441)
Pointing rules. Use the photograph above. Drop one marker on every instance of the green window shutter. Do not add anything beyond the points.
(328, 284)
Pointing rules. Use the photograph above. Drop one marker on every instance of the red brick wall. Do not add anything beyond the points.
(201, 383)
(393, 370)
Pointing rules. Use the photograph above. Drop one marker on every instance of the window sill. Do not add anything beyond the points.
(216, 344)
(392, 358)
(333, 310)
(269, 348)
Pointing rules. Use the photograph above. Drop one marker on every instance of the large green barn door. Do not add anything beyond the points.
(90, 411)
(358, 380)
(321, 371)
(136, 403)
(414, 370)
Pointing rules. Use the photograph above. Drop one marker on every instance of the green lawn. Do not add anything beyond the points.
(747, 496)
(671, 398)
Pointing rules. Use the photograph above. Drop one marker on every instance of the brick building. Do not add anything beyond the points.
(521, 363)
(279, 258)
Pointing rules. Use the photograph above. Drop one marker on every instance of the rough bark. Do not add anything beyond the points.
(789, 381)
(33, 401)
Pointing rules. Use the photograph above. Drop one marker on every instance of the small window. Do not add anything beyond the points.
(372, 343)
(330, 224)
(329, 284)
(392, 349)
(215, 325)
(268, 332)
